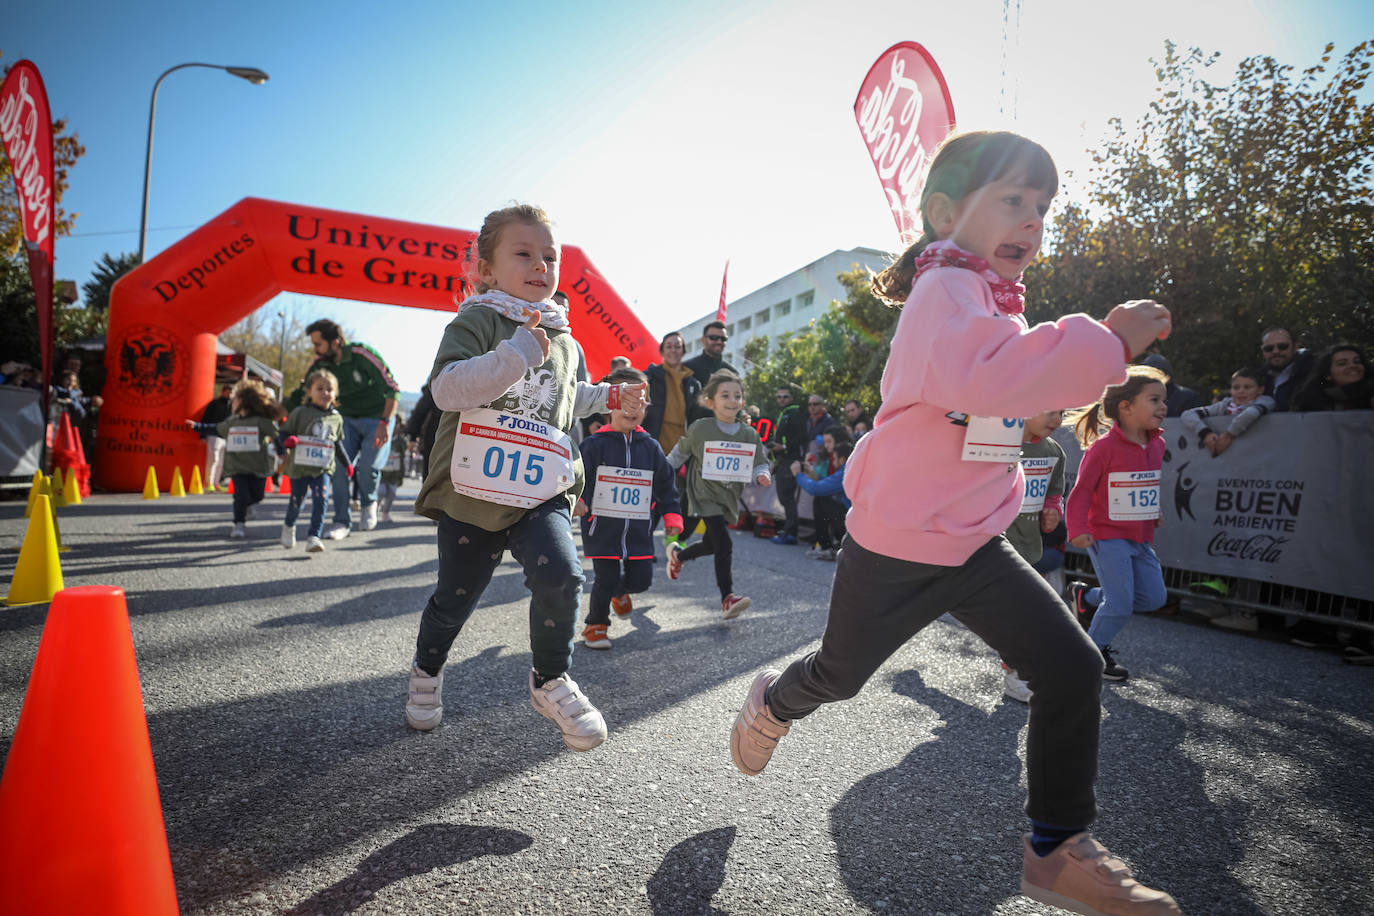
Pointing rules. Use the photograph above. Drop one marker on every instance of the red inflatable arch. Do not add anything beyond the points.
(166, 315)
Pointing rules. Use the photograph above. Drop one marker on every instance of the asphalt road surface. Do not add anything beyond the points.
(1235, 770)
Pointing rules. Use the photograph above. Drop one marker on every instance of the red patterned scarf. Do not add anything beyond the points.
(1009, 295)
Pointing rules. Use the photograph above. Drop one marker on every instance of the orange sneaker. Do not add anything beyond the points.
(594, 636)
(1081, 876)
(622, 606)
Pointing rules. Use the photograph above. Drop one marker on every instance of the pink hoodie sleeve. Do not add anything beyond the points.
(983, 363)
(1084, 488)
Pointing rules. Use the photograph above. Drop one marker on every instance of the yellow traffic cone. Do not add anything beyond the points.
(150, 484)
(55, 487)
(33, 492)
(177, 488)
(38, 576)
(197, 487)
(52, 510)
(72, 491)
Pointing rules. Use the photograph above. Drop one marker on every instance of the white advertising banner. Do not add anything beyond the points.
(1291, 501)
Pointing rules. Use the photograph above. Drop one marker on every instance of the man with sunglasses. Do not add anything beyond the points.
(713, 340)
(1285, 366)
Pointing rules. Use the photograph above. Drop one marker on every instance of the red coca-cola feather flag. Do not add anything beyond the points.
(904, 112)
(26, 129)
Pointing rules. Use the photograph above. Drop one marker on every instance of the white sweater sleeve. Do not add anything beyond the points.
(468, 383)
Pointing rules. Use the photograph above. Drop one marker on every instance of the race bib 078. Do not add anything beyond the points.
(728, 462)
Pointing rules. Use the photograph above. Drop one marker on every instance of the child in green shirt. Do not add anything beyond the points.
(314, 430)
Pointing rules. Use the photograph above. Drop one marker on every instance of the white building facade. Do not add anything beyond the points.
(788, 304)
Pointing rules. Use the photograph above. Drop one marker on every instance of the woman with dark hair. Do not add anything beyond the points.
(1338, 382)
(670, 405)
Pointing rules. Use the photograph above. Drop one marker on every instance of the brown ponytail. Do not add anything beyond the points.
(1090, 422)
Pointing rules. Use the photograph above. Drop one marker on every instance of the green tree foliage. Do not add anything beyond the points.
(19, 318)
(1239, 206)
(96, 290)
(839, 356)
(262, 334)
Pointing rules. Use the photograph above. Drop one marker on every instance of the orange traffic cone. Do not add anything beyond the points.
(229, 486)
(177, 488)
(71, 491)
(285, 488)
(38, 575)
(196, 488)
(150, 484)
(268, 488)
(81, 827)
(33, 492)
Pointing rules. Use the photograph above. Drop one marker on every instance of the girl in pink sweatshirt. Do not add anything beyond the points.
(937, 481)
(1113, 509)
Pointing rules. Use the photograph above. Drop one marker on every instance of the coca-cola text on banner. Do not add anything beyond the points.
(26, 130)
(904, 112)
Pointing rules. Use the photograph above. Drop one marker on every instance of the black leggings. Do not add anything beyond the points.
(716, 541)
(829, 517)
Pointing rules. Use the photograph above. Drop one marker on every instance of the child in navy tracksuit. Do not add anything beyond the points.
(629, 483)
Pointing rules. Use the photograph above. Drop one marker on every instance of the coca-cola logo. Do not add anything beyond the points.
(27, 136)
(1264, 548)
(904, 112)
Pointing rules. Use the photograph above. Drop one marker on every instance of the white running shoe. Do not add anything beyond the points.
(424, 699)
(337, 532)
(369, 517)
(314, 545)
(238, 531)
(1015, 688)
(562, 703)
(288, 536)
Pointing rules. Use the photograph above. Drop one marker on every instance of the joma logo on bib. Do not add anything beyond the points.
(509, 422)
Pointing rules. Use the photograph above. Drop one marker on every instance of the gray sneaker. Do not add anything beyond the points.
(755, 734)
(288, 536)
(238, 531)
(565, 705)
(337, 532)
(314, 545)
(369, 521)
(424, 699)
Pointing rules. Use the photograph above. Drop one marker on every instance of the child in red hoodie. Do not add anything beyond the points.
(938, 479)
(1113, 509)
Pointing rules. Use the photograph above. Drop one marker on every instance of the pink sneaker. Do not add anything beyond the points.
(755, 734)
(1081, 876)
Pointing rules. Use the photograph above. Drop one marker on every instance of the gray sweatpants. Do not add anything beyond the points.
(878, 603)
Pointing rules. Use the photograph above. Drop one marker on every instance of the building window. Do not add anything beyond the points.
(806, 299)
(761, 318)
(745, 324)
(783, 308)
(730, 330)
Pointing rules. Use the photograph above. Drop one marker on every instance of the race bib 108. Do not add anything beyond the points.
(1133, 496)
(502, 458)
(623, 493)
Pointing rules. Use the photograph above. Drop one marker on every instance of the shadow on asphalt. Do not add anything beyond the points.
(422, 850)
(690, 875)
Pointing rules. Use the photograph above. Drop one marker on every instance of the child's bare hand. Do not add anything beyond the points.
(580, 509)
(1049, 520)
(796, 468)
(764, 479)
(1139, 323)
(1083, 541)
(1219, 444)
(541, 336)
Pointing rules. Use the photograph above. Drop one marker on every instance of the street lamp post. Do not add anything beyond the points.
(252, 74)
(281, 349)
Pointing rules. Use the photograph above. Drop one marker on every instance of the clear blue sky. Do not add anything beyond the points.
(662, 137)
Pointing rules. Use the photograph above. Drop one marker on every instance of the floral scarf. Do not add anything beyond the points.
(553, 315)
(1009, 295)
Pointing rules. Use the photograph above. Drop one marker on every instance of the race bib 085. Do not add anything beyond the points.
(1037, 472)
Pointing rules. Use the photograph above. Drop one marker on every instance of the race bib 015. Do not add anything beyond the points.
(502, 458)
